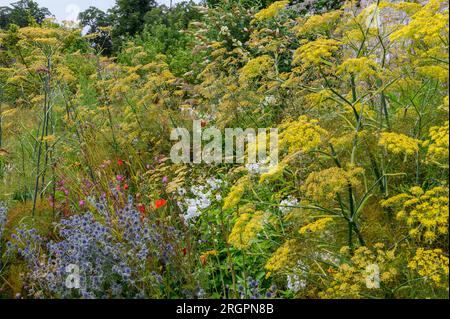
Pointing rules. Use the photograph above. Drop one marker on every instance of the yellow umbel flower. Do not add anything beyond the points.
(445, 104)
(432, 264)
(49, 139)
(362, 68)
(246, 229)
(425, 212)
(273, 173)
(208, 253)
(255, 67)
(318, 24)
(271, 11)
(236, 192)
(301, 135)
(364, 273)
(318, 99)
(438, 72)
(428, 24)
(246, 209)
(283, 256)
(325, 184)
(66, 74)
(316, 226)
(315, 52)
(407, 7)
(438, 147)
(399, 143)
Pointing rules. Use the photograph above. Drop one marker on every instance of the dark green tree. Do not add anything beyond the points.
(96, 20)
(22, 13)
(164, 33)
(5, 13)
(128, 17)
(166, 24)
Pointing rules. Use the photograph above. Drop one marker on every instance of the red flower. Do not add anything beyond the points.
(184, 250)
(125, 187)
(160, 203)
(141, 208)
(119, 162)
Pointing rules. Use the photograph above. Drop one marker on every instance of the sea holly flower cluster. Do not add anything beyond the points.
(110, 248)
(3, 215)
(251, 289)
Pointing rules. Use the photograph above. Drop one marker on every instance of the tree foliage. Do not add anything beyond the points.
(22, 13)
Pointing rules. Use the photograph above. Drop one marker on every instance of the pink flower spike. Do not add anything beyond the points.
(51, 201)
(81, 203)
(119, 178)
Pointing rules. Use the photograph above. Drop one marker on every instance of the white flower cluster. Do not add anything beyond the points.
(253, 168)
(224, 30)
(203, 198)
(327, 257)
(258, 168)
(270, 100)
(295, 284)
(295, 281)
(287, 203)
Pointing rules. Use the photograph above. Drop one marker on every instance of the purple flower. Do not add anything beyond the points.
(3, 213)
(113, 257)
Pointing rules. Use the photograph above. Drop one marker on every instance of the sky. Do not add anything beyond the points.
(69, 9)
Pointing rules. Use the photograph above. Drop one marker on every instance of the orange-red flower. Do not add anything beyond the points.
(120, 162)
(141, 208)
(160, 203)
(203, 260)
